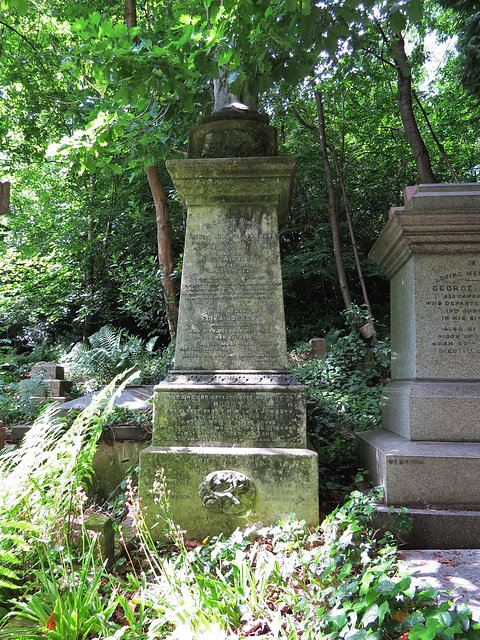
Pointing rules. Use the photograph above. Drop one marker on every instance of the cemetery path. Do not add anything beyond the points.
(457, 570)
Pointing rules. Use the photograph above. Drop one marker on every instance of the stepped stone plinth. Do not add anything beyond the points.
(229, 421)
(57, 389)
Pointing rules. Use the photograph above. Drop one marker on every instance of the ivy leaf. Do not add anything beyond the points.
(306, 8)
(371, 615)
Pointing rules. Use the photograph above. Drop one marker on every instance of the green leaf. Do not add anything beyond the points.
(106, 28)
(224, 57)
(371, 615)
(414, 10)
(149, 161)
(306, 7)
(397, 19)
(355, 634)
(95, 18)
(330, 43)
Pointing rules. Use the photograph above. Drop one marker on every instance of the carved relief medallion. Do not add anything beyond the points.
(228, 492)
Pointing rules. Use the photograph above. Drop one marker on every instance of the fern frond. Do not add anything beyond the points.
(41, 476)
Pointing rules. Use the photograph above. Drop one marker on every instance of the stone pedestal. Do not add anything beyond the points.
(229, 421)
(428, 452)
(56, 387)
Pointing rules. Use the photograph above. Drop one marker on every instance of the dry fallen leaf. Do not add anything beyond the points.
(50, 624)
(400, 616)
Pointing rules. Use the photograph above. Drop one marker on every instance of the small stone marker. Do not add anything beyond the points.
(57, 388)
(102, 527)
(317, 348)
(428, 452)
(230, 420)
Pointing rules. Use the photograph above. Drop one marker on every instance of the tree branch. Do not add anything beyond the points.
(302, 120)
(20, 36)
(378, 56)
(437, 141)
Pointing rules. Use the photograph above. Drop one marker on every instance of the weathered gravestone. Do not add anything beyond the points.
(428, 452)
(229, 421)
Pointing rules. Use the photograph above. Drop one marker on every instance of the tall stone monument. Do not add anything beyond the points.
(428, 452)
(229, 421)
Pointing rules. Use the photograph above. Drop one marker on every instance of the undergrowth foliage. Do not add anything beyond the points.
(339, 582)
(110, 352)
(38, 482)
(343, 397)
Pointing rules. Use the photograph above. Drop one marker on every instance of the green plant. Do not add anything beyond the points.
(286, 581)
(39, 479)
(157, 367)
(182, 600)
(109, 352)
(343, 389)
(357, 591)
(104, 356)
(16, 388)
(70, 603)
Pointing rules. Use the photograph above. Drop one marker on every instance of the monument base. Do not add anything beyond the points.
(431, 528)
(225, 409)
(429, 410)
(442, 475)
(214, 490)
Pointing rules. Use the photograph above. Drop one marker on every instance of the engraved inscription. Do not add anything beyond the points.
(229, 418)
(231, 297)
(453, 303)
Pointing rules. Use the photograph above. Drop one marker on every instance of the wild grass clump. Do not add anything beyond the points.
(38, 484)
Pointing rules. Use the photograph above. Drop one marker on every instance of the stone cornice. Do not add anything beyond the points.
(437, 219)
(213, 181)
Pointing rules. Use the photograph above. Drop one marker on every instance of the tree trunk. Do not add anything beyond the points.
(90, 266)
(164, 244)
(164, 228)
(405, 104)
(332, 203)
(353, 240)
(131, 13)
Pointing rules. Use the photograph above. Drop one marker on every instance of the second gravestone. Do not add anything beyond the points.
(428, 452)
(229, 421)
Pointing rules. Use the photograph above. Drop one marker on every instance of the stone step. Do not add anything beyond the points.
(431, 528)
(421, 474)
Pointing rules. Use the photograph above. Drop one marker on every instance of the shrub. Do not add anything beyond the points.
(343, 393)
(109, 352)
